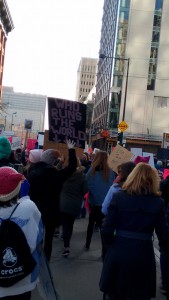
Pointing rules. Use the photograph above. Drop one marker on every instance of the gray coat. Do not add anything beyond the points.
(73, 191)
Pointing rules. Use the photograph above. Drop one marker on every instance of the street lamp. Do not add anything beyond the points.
(12, 119)
(103, 56)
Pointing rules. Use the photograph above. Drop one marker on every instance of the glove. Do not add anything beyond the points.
(70, 144)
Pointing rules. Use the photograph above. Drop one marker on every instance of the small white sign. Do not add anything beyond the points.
(16, 143)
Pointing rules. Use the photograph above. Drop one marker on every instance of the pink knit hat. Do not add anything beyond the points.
(35, 155)
(10, 183)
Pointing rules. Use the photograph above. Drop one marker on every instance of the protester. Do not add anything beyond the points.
(123, 171)
(34, 157)
(129, 269)
(73, 191)
(5, 151)
(99, 179)
(45, 186)
(28, 218)
(164, 188)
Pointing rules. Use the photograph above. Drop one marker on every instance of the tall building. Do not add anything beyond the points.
(133, 68)
(6, 25)
(86, 78)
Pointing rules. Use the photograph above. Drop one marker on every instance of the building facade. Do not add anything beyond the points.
(6, 25)
(86, 77)
(134, 68)
(18, 107)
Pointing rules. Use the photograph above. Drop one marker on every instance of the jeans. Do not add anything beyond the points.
(95, 216)
(67, 227)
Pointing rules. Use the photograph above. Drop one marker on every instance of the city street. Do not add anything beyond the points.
(77, 277)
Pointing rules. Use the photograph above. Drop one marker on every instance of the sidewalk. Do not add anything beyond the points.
(77, 277)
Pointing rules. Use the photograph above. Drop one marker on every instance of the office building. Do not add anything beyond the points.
(86, 78)
(18, 107)
(134, 67)
(6, 26)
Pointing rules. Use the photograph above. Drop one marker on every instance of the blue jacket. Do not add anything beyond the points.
(98, 187)
(109, 197)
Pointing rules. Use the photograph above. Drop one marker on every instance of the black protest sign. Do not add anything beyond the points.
(67, 120)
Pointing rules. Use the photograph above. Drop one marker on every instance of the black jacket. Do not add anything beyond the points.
(46, 184)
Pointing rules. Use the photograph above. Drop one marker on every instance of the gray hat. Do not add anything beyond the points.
(50, 156)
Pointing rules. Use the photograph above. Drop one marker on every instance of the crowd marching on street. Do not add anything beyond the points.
(44, 193)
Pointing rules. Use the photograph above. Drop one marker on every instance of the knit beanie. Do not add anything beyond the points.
(5, 147)
(35, 155)
(10, 183)
(50, 156)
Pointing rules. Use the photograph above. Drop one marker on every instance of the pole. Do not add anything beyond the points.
(125, 99)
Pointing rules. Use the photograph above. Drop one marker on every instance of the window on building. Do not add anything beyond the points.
(151, 83)
(125, 3)
(158, 5)
(162, 102)
(155, 36)
(157, 21)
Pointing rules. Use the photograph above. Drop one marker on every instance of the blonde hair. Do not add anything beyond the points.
(100, 163)
(143, 180)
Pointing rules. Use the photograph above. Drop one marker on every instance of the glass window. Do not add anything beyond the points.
(120, 49)
(158, 4)
(124, 16)
(157, 21)
(125, 3)
(152, 68)
(151, 83)
(122, 33)
(155, 36)
(154, 53)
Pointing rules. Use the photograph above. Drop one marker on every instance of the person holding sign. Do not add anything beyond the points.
(45, 186)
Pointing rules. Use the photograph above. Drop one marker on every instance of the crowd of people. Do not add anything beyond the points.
(46, 193)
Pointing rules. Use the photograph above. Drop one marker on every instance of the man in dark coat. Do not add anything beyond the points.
(45, 187)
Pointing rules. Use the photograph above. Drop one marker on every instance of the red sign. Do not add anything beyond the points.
(31, 144)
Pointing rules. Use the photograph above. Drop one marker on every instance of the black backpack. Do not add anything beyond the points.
(16, 260)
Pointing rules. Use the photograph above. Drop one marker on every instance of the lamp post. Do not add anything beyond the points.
(12, 119)
(103, 56)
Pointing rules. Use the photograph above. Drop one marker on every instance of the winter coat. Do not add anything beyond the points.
(113, 189)
(98, 187)
(129, 268)
(28, 217)
(74, 189)
(46, 184)
(164, 188)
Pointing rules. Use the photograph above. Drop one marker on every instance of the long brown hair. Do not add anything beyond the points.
(124, 170)
(143, 180)
(100, 163)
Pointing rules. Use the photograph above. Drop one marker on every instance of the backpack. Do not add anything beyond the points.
(16, 260)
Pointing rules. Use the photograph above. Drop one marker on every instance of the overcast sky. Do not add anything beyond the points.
(50, 36)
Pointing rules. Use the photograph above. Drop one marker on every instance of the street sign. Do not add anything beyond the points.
(123, 126)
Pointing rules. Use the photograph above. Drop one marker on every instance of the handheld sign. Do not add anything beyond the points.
(118, 156)
(67, 120)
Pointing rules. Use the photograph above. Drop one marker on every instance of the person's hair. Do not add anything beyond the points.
(143, 180)
(124, 170)
(9, 202)
(100, 163)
